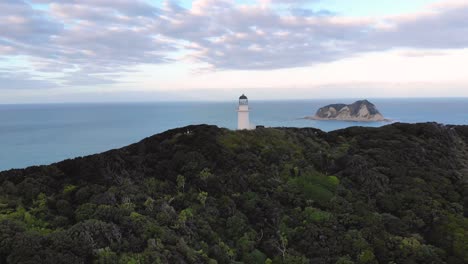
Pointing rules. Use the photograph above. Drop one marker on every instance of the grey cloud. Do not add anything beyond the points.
(82, 36)
(256, 38)
(93, 38)
(23, 81)
(21, 23)
(127, 7)
(111, 47)
(445, 29)
(259, 38)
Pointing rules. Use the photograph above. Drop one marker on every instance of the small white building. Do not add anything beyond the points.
(243, 121)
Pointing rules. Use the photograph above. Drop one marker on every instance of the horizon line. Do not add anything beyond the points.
(234, 100)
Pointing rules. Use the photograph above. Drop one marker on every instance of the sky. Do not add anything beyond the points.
(167, 50)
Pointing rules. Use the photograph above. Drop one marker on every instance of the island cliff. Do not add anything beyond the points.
(360, 111)
(203, 194)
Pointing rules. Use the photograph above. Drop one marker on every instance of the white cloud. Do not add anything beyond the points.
(85, 41)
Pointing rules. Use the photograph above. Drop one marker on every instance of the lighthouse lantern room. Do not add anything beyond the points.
(243, 121)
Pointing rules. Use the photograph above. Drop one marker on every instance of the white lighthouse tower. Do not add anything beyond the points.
(243, 121)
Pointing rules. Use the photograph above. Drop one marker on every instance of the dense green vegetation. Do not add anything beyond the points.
(202, 194)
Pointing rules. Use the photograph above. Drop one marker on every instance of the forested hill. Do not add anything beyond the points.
(202, 194)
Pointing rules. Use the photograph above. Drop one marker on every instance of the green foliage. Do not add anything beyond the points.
(367, 256)
(149, 204)
(316, 186)
(184, 215)
(270, 144)
(181, 183)
(344, 260)
(255, 256)
(29, 220)
(315, 215)
(453, 232)
(106, 256)
(40, 202)
(333, 181)
(201, 194)
(205, 174)
(85, 211)
(69, 188)
(153, 187)
(410, 244)
(128, 206)
(295, 259)
(228, 251)
(340, 150)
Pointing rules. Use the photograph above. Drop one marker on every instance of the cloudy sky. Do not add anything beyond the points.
(140, 50)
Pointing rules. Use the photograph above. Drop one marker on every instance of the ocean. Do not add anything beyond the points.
(39, 134)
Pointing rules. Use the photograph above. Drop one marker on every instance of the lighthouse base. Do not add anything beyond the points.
(243, 121)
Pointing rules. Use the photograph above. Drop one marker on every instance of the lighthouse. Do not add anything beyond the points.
(243, 121)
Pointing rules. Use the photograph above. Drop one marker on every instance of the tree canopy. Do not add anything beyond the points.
(202, 194)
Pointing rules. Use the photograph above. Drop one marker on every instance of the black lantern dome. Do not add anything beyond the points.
(243, 100)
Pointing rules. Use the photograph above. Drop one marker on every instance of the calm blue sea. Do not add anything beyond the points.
(47, 133)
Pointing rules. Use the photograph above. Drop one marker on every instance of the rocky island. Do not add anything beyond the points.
(359, 111)
(203, 194)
